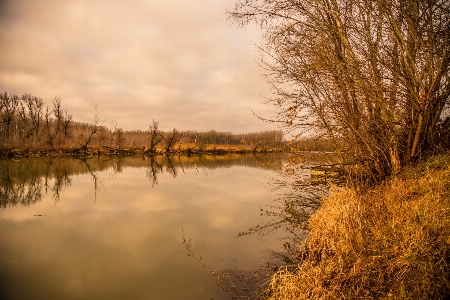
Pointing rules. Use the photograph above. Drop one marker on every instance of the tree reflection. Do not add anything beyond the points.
(298, 196)
(26, 181)
(56, 183)
(117, 165)
(95, 178)
(298, 193)
(170, 168)
(17, 192)
(153, 170)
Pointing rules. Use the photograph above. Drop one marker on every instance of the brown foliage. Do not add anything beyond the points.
(371, 73)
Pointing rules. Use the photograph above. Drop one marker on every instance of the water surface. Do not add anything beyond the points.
(112, 228)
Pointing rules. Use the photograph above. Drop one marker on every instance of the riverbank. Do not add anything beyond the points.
(389, 242)
(116, 151)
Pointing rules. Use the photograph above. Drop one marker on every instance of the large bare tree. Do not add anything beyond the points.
(371, 73)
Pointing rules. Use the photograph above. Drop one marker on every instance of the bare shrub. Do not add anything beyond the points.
(371, 73)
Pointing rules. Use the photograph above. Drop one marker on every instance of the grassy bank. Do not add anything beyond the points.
(389, 242)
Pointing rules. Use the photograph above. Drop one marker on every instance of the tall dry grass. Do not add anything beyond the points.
(390, 242)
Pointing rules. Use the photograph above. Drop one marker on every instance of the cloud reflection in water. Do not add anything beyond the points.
(124, 241)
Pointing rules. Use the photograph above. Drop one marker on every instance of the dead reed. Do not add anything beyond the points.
(390, 242)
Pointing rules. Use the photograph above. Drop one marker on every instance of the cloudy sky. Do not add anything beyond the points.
(180, 62)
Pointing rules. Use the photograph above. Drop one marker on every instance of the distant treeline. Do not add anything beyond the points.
(27, 123)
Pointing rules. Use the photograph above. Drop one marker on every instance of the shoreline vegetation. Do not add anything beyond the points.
(373, 78)
(188, 150)
(389, 241)
(30, 128)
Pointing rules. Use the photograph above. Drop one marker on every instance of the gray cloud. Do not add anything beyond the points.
(179, 62)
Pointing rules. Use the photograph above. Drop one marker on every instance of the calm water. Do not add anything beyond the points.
(112, 228)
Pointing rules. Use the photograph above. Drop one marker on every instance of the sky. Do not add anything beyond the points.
(179, 62)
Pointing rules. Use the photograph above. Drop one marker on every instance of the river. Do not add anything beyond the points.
(113, 228)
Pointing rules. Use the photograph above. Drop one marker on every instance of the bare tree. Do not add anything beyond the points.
(119, 137)
(171, 139)
(62, 119)
(373, 74)
(98, 122)
(25, 122)
(48, 126)
(8, 106)
(66, 121)
(155, 136)
(59, 115)
(31, 112)
(56, 127)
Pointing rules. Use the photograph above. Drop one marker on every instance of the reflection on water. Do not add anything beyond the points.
(111, 228)
(298, 193)
(22, 182)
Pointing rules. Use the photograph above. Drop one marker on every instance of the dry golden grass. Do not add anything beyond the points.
(391, 242)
